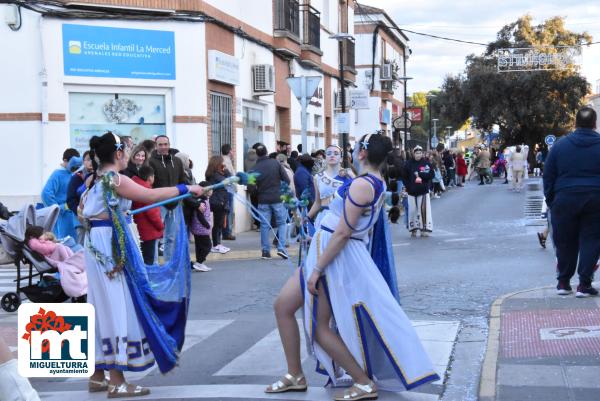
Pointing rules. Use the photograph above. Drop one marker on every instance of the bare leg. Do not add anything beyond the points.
(286, 304)
(116, 377)
(332, 343)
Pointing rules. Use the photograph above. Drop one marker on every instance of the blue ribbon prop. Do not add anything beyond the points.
(239, 178)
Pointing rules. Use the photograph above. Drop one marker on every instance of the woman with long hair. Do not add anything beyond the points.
(352, 320)
(130, 333)
(137, 159)
(219, 201)
(328, 181)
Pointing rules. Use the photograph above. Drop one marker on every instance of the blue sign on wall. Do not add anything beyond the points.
(98, 51)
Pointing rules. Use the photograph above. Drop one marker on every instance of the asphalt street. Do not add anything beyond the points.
(482, 247)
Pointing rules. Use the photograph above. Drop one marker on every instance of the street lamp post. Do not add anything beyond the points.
(429, 97)
(341, 37)
(404, 81)
(449, 128)
(435, 120)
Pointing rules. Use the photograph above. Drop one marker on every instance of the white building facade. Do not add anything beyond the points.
(382, 53)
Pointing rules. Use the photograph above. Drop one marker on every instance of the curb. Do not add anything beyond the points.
(244, 255)
(487, 381)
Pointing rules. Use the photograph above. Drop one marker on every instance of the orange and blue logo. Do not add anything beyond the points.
(56, 340)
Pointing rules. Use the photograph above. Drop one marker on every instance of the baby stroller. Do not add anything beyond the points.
(12, 237)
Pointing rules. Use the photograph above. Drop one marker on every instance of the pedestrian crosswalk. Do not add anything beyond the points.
(7, 277)
(264, 357)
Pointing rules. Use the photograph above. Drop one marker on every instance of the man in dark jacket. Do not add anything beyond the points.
(572, 190)
(168, 172)
(268, 191)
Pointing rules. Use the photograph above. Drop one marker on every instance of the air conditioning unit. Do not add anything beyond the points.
(386, 72)
(338, 99)
(263, 79)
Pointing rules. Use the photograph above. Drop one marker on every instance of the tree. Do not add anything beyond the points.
(526, 105)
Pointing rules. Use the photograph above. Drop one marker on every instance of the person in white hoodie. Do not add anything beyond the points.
(517, 162)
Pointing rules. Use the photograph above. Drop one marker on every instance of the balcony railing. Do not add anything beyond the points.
(311, 26)
(348, 54)
(287, 17)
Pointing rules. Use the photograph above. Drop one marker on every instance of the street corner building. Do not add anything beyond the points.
(204, 73)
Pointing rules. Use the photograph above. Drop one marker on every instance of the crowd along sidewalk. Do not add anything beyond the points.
(542, 346)
(246, 246)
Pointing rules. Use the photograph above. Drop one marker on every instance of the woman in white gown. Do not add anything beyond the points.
(351, 319)
(327, 182)
(121, 343)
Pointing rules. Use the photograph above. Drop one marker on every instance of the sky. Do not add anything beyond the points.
(479, 21)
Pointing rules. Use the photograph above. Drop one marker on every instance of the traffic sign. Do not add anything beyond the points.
(400, 121)
(434, 141)
(550, 139)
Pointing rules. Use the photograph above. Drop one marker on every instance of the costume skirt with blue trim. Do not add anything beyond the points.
(367, 317)
(121, 342)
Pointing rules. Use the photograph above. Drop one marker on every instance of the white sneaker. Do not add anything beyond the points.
(214, 249)
(201, 267)
(222, 248)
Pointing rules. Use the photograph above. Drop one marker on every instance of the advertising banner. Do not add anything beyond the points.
(99, 51)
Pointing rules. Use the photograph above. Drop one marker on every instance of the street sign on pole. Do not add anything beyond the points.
(549, 140)
(359, 99)
(303, 88)
(342, 122)
(400, 121)
(434, 141)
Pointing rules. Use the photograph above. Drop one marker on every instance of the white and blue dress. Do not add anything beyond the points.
(327, 186)
(365, 313)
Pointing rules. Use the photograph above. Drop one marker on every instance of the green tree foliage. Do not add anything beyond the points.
(526, 105)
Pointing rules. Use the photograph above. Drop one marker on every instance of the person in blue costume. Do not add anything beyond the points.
(55, 193)
(353, 322)
(141, 310)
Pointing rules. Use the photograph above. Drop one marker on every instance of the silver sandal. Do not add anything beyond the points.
(125, 389)
(358, 392)
(293, 384)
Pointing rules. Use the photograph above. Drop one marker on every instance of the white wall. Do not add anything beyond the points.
(44, 143)
(20, 84)
(258, 13)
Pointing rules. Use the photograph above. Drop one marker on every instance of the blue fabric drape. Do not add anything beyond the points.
(383, 255)
(160, 293)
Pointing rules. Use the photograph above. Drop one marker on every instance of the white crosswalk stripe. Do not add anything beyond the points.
(437, 337)
(7, 277)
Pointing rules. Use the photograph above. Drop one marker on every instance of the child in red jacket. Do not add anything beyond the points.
(149, 223)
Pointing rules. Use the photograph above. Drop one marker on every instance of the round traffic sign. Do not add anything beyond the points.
(434, 141)
(550, 139)
(399, 122)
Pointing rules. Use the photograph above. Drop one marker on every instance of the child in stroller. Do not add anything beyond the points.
(16, 235)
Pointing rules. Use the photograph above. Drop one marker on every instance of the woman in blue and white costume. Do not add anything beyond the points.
(327, 182)
(122, 343)
(351, 318)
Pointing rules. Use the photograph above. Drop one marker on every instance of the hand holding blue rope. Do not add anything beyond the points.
(240, 178)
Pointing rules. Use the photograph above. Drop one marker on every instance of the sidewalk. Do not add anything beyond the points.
(542, 346)
(245, 246)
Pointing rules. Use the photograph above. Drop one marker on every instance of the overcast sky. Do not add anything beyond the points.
(479, 21)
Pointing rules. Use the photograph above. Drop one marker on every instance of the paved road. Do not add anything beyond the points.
(481, 248)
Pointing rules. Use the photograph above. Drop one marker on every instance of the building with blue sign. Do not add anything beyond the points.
(204, 82)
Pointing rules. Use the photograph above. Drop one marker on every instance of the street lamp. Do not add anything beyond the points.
(435, 120)
(429, 97)
(341, 37)
(449, 128)
(404, 81)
